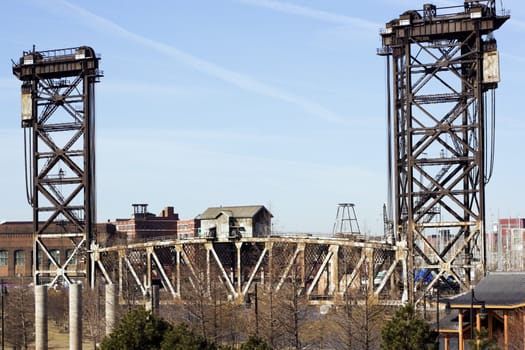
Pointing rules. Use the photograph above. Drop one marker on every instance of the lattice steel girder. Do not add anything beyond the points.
(439, 144)
(58, 116)
(323, 269)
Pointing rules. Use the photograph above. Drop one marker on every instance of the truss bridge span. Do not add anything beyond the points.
(323, 270)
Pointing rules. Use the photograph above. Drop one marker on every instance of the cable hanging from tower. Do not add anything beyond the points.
(491, 145)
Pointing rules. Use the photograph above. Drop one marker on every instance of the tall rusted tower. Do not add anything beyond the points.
(58, 117)
(442, 72)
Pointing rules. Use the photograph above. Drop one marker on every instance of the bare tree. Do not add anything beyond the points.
(93, 314)
(57, 305)
(233, 322)
(315, 331)
(129, 289)
(19, 316)
(292, 310)
(195, 281)
(267, 316)
(359, 320)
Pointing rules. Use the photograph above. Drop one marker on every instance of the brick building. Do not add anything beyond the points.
(505, 245)
(144, 225)
(187, 229)
(17, 240)
(16, 247)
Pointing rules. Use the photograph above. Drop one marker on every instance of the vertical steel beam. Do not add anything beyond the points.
(301, 259)
(269, 246)
(369, 253)
(121, 255)
(148, 283)
(333, 268)
(238, 246)
(178, 260)
(209, 249)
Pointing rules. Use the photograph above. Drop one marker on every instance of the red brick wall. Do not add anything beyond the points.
(187, 228)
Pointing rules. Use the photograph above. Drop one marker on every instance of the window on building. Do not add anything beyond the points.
(55, 253)
(20, 258)
(40, 258)
(73, 259)
(3, 257)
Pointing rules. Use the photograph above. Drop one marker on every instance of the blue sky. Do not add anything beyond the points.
(241, 102)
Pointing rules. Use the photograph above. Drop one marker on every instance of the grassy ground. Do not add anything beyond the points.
(58, 339)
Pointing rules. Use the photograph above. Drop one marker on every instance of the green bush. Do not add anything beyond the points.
(407, 331)
(180, 337)
(138, 330)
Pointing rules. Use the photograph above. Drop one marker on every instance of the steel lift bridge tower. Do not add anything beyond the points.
(58, 116)
(442, 70)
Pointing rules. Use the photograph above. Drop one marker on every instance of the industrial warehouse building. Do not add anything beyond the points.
(236, 222)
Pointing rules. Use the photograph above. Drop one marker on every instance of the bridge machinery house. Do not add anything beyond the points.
(235, 222)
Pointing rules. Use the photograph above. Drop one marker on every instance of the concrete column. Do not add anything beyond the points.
(40, 317)
(155, 299)
(75, 316)
(111, 307)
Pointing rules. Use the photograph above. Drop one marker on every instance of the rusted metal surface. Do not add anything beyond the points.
(58, 120)
(438, 123)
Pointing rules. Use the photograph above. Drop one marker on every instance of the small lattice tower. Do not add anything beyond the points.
(346, 221)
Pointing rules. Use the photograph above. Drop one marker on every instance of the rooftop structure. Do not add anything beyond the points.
(235, 221)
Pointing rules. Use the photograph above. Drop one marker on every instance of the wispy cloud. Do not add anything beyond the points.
(319, 15)
(242, 81)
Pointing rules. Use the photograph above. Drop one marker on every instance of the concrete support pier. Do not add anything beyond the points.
(75, 316)
(111, 307)
(40, 317)
(155, 299)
